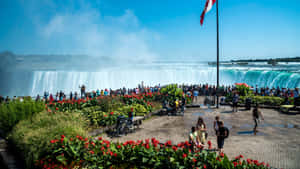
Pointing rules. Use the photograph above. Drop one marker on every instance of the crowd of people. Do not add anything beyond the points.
(191, 90)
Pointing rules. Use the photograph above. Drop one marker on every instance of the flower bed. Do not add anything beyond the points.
(103, 111)
(80, 152)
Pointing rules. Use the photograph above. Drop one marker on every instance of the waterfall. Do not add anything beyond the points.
(33, 83)
(54, 81)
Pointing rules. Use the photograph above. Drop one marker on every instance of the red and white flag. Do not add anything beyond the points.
(208, 6)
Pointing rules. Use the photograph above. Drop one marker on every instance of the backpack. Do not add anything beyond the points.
(227, 130)
(255, 113)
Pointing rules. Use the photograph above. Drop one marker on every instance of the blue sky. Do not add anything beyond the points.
(151, 29)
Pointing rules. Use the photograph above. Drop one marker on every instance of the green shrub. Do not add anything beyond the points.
(31, 136)
(172, 92)
(264, 100)
(243, 90)
(14, 111)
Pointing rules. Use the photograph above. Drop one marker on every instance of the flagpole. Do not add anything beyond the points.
(217, 3)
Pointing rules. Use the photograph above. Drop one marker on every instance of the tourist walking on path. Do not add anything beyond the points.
(235, 100)
(222, 134)
(256, 115)
(195, 95)
(201, 128)
(182, 104)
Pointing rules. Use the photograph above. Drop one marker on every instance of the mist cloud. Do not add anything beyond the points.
(85, 30)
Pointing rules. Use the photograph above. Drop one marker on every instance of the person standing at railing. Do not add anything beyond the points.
(7, 99)
(98, 92)
(105, 92)
(1, 99)
(82, 91)
(56, 97)
(46, 94)
(71, 95)
(296, 93)
(76, 96)
(37, 98)
(51, 98)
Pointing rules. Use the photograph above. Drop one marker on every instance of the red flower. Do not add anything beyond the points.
(56, 108)
(194, 160)
(235, 164)
(241, 156)
(168, 143)
(204, 166)
(111, 113)
(118, 146)
(147, 146)
(53, 141)
(92, 152)
(184, 155)
(174, 148)
(249, 161)
(93, 143)
(222, 154)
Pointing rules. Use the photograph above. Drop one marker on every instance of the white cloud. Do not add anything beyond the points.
(87, 31)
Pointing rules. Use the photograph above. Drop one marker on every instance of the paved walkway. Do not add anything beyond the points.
(276, 143)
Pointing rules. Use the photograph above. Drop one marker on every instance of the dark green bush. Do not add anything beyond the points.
(32, 137)
(11, 113)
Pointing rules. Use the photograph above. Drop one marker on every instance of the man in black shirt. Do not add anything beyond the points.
(222, 133)
(256, 115)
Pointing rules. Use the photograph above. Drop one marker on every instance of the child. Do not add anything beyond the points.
(217, 124)
(222, 134)
(194, 139)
